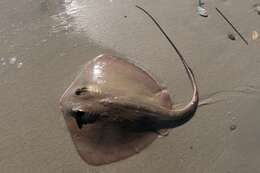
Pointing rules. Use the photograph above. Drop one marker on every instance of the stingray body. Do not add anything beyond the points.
(114, 108)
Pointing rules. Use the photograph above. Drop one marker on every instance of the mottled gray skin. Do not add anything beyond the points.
(113, 109)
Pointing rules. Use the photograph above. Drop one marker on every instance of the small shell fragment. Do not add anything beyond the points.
(202, 11)
(254, 35)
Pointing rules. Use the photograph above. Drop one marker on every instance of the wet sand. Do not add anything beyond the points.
(43, 43)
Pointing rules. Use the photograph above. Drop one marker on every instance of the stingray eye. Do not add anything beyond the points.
(79, 91)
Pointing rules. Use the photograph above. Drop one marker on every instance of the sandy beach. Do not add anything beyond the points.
(44, 43)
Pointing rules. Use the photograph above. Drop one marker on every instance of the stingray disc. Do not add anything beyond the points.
(104, 142)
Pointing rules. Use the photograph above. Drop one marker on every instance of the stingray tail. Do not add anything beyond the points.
(182, 115)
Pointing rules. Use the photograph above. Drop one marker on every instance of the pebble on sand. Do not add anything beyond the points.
(233, 127)
(231, 37)
(12, 60)
(19, 65)
(257, 8)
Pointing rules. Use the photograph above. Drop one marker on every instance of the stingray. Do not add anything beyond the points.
(114, 108)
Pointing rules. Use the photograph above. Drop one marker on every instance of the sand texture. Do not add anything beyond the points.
(43, 44)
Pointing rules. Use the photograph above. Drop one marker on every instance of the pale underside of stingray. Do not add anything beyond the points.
(114, 109)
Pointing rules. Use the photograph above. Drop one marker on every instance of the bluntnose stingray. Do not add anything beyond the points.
(114, 108)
